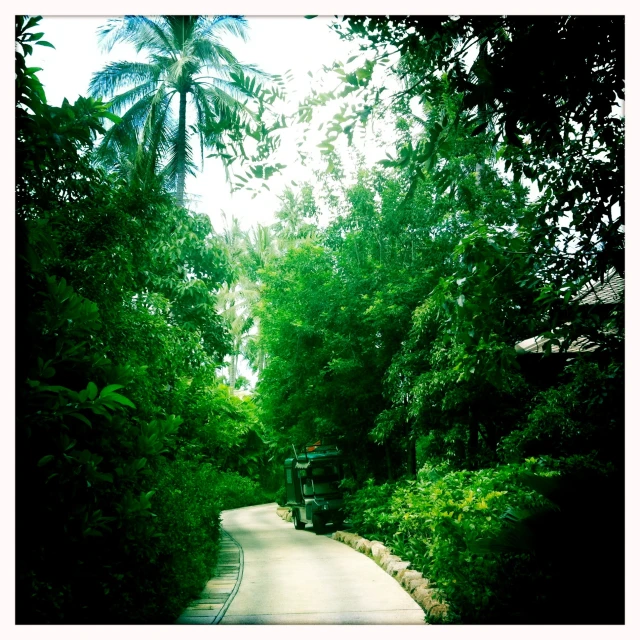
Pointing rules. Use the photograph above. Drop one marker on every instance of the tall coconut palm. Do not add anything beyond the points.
(234, 304)
(187, 66)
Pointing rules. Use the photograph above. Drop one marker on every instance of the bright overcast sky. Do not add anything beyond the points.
(276, 44)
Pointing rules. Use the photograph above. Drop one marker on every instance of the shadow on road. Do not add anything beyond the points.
(328, 529)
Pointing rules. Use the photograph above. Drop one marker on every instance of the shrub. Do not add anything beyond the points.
(187, 507)
(495, 548)
(234, 491)
(281, 496)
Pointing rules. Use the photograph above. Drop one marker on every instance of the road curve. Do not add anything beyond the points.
(298, 577)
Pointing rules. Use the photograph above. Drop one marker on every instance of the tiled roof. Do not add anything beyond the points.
(609, 291)
(536, 345)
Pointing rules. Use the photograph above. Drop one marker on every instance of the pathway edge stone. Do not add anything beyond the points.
(219, 591)
(413, 582)
(232, 595)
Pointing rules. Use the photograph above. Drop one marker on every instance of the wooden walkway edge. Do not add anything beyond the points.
(215, 598)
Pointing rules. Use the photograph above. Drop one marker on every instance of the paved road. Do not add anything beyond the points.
(298, 577)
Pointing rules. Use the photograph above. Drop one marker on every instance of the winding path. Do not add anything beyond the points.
(298, 577)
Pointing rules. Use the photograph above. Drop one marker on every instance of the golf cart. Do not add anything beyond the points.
(312, 482)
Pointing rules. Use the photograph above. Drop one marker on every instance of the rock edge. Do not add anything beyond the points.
(413, 582)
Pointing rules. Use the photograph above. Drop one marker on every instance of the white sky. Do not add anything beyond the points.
(276, 44)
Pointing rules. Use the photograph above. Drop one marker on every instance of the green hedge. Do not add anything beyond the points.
(188, 504)
(495, 548)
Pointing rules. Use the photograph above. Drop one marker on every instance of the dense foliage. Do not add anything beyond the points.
(501, 545)
(392, 331)
(125, 433)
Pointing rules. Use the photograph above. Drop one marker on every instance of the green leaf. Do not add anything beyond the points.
(111, 116)
(116, 397)
(110, 389)
(44, 460)
(54, 388)
(44, 43)
(82, 418)
(92, 390)
(33, 21)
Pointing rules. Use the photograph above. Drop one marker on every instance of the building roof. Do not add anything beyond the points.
(608, 291)
(536, 345)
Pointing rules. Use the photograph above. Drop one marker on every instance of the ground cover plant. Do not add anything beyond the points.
(500, 545)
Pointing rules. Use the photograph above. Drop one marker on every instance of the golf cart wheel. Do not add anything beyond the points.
(318, 524)
(297, 523)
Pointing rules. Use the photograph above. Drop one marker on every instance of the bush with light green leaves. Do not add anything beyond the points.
(496, 544)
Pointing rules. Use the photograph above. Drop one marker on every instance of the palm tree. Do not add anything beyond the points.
(187, 64)
(261, 246)
(234, 305)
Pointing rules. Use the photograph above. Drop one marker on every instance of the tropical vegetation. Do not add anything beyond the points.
(380, 312)
(188, 63)
(128, 442)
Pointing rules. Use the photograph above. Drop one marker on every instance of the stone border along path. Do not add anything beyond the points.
(215, 598)
(413, 582)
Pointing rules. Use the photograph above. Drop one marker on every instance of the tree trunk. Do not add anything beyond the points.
(233, 371)
(472, 446)
(181, 152)
(412, 470)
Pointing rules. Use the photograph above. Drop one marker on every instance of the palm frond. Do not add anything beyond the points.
(162, 60)
(210, 26)
(172, 155)
(126, 134)
(119, 75)
(204, 116)
(156, 134)
(143, 32)
(224, 95)
(136, 116)
(110, 33)
(213, 55)
(124, 101)
(251, 70)
(116, 143)
(181, 29)
(180, 70)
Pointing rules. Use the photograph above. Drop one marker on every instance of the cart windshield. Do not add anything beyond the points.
(326, 479)
(325, 488)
